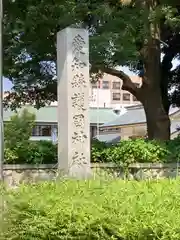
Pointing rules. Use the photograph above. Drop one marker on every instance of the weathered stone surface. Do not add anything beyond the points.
(17, 174)
(73, 102)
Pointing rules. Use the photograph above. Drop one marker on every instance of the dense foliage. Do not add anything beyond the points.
(138, 150)
(18, 130)
(122, 154)
(122, 33)
(93, 210)
(16, 135)
(18, 147)
(37, 152)
(30, 39)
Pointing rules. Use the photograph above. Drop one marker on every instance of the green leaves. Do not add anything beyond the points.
(31, 27)
(16, 136)
(18, 129)
(131, 151)
(10, 156)
(98, 151)
(117, 34)
(19, 149)
(136, 151)
(41, 152)
(92, 210)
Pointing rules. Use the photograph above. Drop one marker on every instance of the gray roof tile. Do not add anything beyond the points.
(134, 115)
(48, 114)
(108, 138)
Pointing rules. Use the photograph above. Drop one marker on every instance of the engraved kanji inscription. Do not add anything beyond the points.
(79, 137)
(78, 120)
(77, 64)
(79, 158)
(78, 101)
(78, 44)
(78, 80)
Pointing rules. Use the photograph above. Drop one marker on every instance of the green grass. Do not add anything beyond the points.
(95, 209)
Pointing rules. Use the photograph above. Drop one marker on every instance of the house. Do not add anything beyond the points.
(133, 123)
(46, 120)
(113, 125)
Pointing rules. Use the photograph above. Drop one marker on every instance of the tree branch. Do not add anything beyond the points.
(128, 85)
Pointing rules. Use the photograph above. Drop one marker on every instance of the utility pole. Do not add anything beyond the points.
(1, 95)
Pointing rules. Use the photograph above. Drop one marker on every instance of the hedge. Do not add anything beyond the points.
(138, 150)
(35, 152)
(122, 153)
(87, 210)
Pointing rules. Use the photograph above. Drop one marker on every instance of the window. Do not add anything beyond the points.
(95, 84)
(126, 97)
(105, 84)
(105, 130)
(45, 130)
(116, 85)
(93, 131)
(116, 96)
(42, 130)
(114, 129)
(34, 131)
(55, 129)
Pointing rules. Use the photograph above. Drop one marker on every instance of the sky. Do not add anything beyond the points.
(7, 85)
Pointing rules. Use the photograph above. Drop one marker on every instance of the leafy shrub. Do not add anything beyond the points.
(139, 150)
(16, 137)
(88, 210)
(18, 147)
(131, 151)
(42, 152)
(18, 130)
(10, 156)
(174, 150)
(98, 151)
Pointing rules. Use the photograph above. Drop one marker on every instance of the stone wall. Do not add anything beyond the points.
(17, 174)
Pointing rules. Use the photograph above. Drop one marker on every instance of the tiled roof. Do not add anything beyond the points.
(48, 114)
(134, 115)
(108, 138)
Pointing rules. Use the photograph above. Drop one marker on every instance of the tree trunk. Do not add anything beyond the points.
(152, 94)
(158, 122)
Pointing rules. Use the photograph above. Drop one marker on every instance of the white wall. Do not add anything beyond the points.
(99, 97)
(102, 98)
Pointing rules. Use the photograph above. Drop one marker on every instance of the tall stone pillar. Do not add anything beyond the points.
(73, 102)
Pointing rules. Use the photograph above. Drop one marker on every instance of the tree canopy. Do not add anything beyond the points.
(30, 29)
(129, 32)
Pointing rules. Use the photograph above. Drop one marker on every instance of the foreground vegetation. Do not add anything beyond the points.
(93, 210)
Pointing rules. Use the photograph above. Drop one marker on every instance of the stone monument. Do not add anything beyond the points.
(73, 102)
